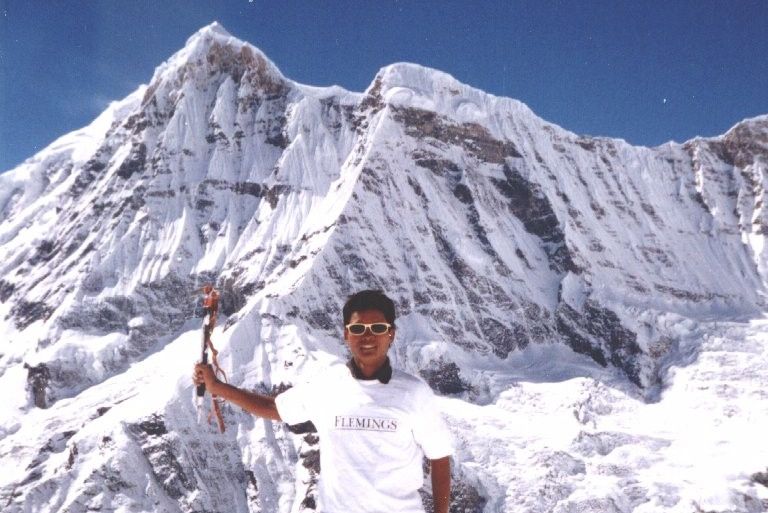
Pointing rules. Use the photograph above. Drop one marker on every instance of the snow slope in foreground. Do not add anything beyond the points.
(582, 445)
(558, 435)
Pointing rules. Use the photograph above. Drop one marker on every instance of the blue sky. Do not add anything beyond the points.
(647, 71)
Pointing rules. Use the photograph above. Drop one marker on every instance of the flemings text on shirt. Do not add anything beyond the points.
(365, 423)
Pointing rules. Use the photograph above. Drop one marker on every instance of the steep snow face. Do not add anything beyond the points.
(184, 179)
(731, 176)
(538, 275)
(496, 230)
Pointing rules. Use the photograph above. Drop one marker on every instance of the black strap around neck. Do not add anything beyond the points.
(383, 373)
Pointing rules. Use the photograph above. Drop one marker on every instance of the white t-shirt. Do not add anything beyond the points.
(373, 437)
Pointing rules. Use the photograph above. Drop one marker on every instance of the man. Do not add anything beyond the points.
(375, 423)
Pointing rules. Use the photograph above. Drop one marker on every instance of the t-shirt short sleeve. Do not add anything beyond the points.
(429, 428)
(293, 404)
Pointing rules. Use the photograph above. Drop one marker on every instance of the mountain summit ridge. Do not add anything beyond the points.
(200, 45)
(256, 142)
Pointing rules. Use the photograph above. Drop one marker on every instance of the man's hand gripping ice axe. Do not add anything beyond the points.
(211, 308)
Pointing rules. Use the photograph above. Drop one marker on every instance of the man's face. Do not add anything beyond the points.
(368, 350)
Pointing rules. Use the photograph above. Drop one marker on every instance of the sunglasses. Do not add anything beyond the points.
(377, 328)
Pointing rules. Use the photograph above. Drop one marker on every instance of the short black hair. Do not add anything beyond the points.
(369, 300)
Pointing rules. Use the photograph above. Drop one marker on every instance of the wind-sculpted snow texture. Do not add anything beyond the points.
(589, 309)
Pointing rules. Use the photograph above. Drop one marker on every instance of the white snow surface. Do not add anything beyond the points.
(591, 313)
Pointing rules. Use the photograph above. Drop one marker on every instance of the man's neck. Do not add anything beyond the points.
(383, 372)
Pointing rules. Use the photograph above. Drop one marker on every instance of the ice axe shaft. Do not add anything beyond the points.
(211, 308)
(204, 361)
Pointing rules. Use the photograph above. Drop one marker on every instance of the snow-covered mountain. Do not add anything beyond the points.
(590, 310)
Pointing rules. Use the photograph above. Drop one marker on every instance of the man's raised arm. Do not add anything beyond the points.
(256, 404)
